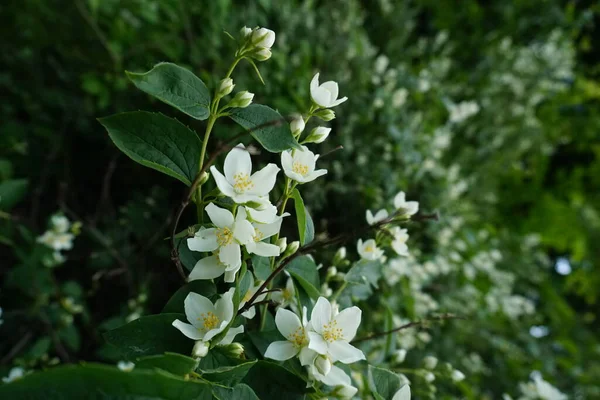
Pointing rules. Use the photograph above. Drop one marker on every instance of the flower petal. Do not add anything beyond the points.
(230, 255)
(348, 321)
(321, 314)
(203, 240)
(314, 83)
(287, 322)
(264, 180)
(188, 330)
(251, 313)
(315, 175)
(194, 305)
(231, 334)
(337, 377)
(224, 186)
(207, 268)
(264, 249)
(338, 102)
(399, 200)
(307, 356)
(243, 231)
(237, 162)
(321, 96)
(287, 161)
(317, 343)
(331, 87)
(281, 350)
(224, 306)
(219, 216)
(344, 352)
(402, 394)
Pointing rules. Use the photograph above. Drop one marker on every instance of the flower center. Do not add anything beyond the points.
(209, 320)
(224, 236)
(242, 182)
(298, 337)
(258, 235)
(300, 168)
(331, 332)
(369, 249)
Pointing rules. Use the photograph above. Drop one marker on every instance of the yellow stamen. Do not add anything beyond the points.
(209, 321)
(331, 332)
(224, 236)
(300, 168)
(242, 182)
(298, 337)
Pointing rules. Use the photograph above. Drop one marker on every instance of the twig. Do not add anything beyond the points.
(17, 348)
(375, 335)
(106, 182)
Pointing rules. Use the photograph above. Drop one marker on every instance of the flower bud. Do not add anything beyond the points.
(204, 178)
(200, 349)
(225, 87)
(291, 248)
(241, 100)
(331, 272)
(282, 243)
(323, 364)
(261, 54)
(233, 350)
(263, 37)
(429, 377)
(325, 115)
(430, 362)
(245, 32)
(340, 255)
(457, 376)
(345, 392)
(126, 366)
(318, 135)
(399, 356)
(297, 125)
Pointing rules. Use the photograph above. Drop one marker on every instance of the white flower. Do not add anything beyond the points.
(263, 37)
(57, 241)
(336, 378)
(299, 165)
(262, 211)
(368, 250)
(333, 331)
(399, 241)
(14, 374)
(429, 377)
(546, 391)
(200, 349)
(262, 232)
(238, 183)
(225, 240)
(249, 293)
(430, 362)
(409, 207)
(457, 376)
(206, 319)
(126, 366)
(286, 296)
(399, 356)
(318, 135)
(225, 87)
(402, 394)
(262, 54)
(378, 217)
(297, 125)
(60, 223)
(242, 99)
(295, 332)
(326, 94)
(245, 31)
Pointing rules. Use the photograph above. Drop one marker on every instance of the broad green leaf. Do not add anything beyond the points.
(364, 272)
(272, 381)
(187, 257)
(150, 335)
(383, 382)
(218, 358)
(12, 192)
(156, 141)
(261, 267)
(229, 375)
(176, 86)
(262, 339)
(304, 271)
(267, 126)
(177, 364)
(94, 381)
(175, 304)
(238, 392)
(306, 229)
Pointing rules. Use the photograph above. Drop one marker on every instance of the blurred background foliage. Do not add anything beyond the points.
(486, 112)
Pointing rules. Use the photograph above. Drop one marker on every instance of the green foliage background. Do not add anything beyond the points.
(527, 163)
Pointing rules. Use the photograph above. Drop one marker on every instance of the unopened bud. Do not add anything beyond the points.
(263, 37)
(291, 248)
(225, 87)
(339, 256)
(245, 32)
(457, 376)
(318, 135)
(297, 125)
(261, 54)
(430, 362)
(200, 349)
(241, 99)
(325, 115)
(282, 243)
(346, 392)
(331, 272)
(204, 178)
(233, 350)
(399, 356)
(323, 364)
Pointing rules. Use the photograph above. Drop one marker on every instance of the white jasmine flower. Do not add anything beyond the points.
(399, 356)
(263, 211)
(402, 394)
(299, 165)
(399, 97)
(409, 207)
(333, 332)
(399, 241)
(457, 376)
(126, 366)
(368, 250)
(226, 240)
(286, 296)
(263, 37)
(318, 135)
(326, 94)
(430, 362)
(336, 378)
(60, 223)
(378, 217)
(57, 241)
(251, 313)
(295, 332)
(262, 232)
(14, 374)
(206, 319)
(238, 182)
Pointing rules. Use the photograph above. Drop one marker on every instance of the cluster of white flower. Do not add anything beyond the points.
(462, 111)
(539, 389)
(59, 237)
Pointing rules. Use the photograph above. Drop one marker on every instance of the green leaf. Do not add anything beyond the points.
(238, 392)
(218, 358)
(304, 271)
(94, 381)
(187, 257)
(261, 266)
(177, 364)
(262, 339)
(383, 382)
(267, 126)
(150, 335)
(12, 192)
(364, 272)
(156, 141)
(175, 303)
(272, 381)
(176, 86)
(306, 228)
(229, 375)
